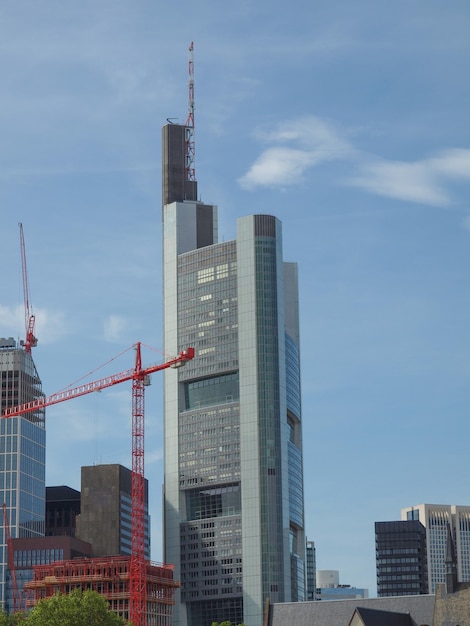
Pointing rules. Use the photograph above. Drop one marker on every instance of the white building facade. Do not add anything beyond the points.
(436, 518)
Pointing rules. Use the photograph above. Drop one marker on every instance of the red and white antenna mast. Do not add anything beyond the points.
(30, 340)
(189, 137)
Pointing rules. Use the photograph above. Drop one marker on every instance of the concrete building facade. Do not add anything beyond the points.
(22, 451)
(233, 492)
(437, 519)
(106, 512)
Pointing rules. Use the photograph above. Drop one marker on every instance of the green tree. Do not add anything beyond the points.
(78, 608)
(11, 620)
(226, 623)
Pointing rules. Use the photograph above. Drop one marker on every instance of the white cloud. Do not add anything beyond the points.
(277, 167)
(50, 325)
(114, 327)
(453, 163)
(413, 182)
(423, 181)
(298, 145)
(312, 140)
(11, 320)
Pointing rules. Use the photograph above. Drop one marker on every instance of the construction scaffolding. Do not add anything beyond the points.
(110, 577)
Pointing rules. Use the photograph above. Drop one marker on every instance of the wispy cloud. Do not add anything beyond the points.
(114, 327)
(425, 181)
(50, 325)
(299, 145)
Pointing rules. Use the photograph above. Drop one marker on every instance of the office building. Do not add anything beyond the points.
(310, 570)
(105, 518)
(33, 551)
(401, 561)
(437, 519)
(328, 587)
(233, 492)
(62, 509)
(22, 451)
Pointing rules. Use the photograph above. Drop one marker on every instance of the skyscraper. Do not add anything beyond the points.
(438, 519)
(400, 549)
(22, 451)
(233, 492)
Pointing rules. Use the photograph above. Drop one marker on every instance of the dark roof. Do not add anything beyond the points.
(61, 493)
(374, 617)
(339, 612)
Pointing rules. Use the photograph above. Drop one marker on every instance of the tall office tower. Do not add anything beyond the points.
(105, 510)
(22, 451)
(310, 569)
(436, 518)
(400, 552)
(233, 492)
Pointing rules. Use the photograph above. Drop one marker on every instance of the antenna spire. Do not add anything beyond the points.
(189, 136)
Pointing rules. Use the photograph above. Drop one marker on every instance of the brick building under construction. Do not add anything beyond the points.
(110, 577)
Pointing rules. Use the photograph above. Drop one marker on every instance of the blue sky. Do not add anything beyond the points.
(349, 122)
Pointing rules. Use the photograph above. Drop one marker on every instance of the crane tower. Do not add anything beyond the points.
(140, 378)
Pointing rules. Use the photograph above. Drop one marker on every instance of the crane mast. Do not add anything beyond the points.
(140, 379)
(30, 340)
(137, 575)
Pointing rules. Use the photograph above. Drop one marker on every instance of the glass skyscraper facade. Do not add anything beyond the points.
(233, 492)
(22, 452)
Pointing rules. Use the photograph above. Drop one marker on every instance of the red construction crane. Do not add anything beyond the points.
(11, 560)
(140, 378)
(30, 340)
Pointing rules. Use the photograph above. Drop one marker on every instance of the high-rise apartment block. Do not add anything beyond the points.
(233, 492)
(401, 559)
(437, 519)
(22, 451)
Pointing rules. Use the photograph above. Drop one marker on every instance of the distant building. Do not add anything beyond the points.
(105, 518)
(22, 451)
(437, 518)
(62, 508)
(328, 587)
(310, 560)
(401, 562)
(33, 551)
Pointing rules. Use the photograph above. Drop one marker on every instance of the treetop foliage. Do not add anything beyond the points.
(78, 608)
